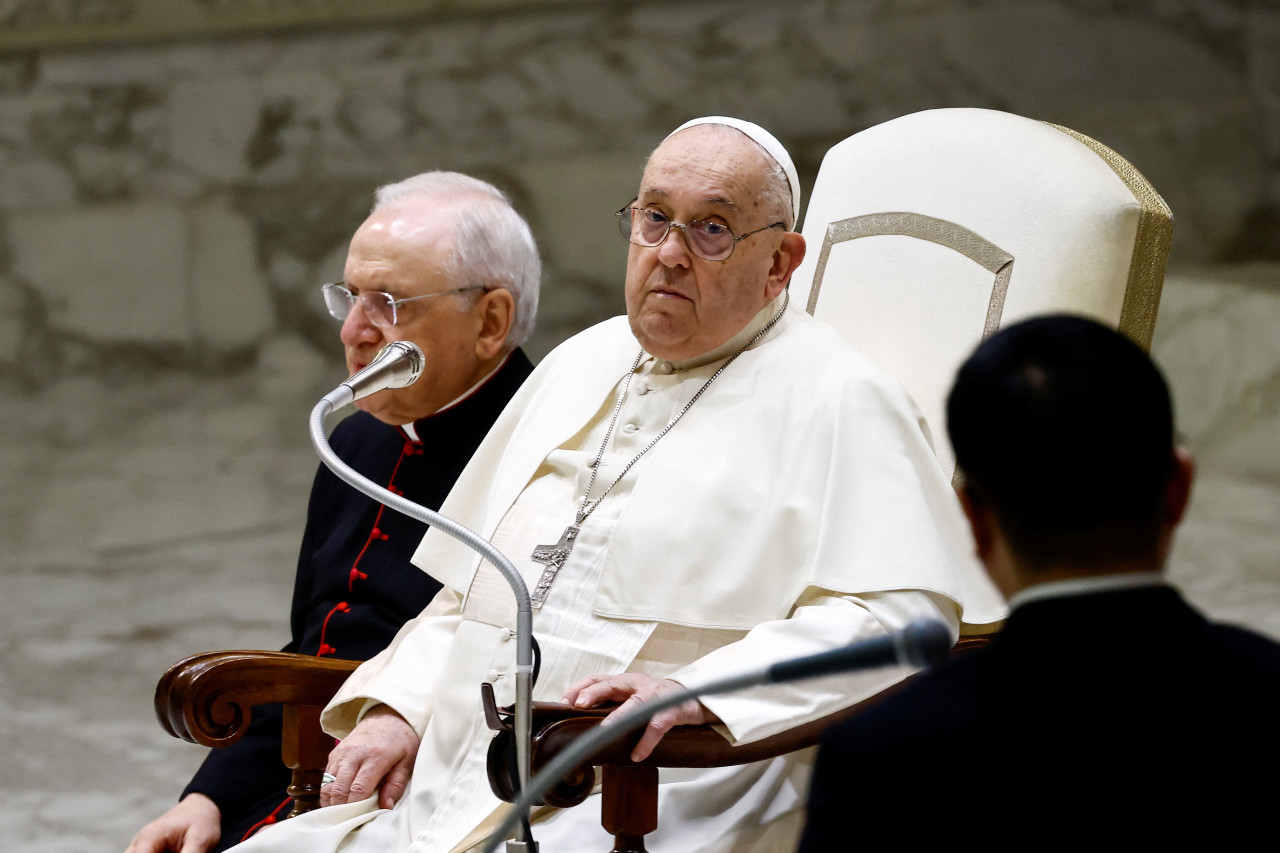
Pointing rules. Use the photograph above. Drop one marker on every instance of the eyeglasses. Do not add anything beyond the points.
(712, 241)
(379, 307)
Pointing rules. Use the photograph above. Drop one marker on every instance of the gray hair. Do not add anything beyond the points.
(776, 195)
(492, 244)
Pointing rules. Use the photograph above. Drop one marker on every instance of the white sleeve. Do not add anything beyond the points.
(401, 676)
(818, 624)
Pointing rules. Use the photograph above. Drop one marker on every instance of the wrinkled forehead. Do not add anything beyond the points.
(785, 180)
(710, 164)
(409, 227)
(401, 244)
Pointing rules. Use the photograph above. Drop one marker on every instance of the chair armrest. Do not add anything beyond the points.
(207, 698)
(556, 727)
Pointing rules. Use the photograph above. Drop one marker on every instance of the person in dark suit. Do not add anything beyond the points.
(1107, 710)
(439, 234)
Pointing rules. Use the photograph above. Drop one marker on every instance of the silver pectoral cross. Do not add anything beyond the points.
(553, 557)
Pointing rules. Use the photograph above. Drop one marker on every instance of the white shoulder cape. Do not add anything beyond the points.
(803, 467)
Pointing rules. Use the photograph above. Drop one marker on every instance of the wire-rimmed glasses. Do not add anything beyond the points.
(712, 241)
(378, 306)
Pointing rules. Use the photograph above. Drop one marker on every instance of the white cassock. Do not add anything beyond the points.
(796, 507)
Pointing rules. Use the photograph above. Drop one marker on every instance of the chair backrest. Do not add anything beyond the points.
(931, 231)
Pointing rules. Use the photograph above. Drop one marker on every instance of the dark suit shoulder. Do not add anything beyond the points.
(1246, 668)
(931, 706)
(1244, 644)
(1115, 709)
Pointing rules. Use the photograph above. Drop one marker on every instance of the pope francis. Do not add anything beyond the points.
(710, 484)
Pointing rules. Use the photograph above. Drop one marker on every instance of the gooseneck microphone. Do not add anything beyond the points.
(398, 365)
(921, 643)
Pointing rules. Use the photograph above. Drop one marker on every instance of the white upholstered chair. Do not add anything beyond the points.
(931, 231)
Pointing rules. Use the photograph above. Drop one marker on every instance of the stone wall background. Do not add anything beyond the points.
(176, 204)
(168, 210)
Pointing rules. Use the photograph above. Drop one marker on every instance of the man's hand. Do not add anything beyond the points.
(379, 753)
(632, 690)
(194, 825)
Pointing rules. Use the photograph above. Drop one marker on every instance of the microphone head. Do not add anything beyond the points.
(397, 365)
(924, 642)
(403, 361)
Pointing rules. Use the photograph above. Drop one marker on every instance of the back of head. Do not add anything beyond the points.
(492, 244)
(1064, 427)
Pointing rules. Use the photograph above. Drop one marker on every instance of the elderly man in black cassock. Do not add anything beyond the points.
(445, 262)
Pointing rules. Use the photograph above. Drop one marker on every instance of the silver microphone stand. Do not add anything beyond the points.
(397, 365)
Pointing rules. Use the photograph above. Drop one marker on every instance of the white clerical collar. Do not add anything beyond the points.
(1081, 586)
(412, 431)
(726, 349)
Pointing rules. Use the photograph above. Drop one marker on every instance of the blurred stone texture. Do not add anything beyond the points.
(168, 210)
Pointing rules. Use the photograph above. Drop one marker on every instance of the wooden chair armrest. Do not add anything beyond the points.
(207, 698)
(556, 727)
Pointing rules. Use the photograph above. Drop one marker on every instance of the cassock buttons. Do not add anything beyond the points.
(666, 368)
(643, 388)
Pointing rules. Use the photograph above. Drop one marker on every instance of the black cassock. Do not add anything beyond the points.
(355, 585)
